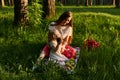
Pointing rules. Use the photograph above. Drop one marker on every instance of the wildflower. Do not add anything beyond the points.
(90, 43)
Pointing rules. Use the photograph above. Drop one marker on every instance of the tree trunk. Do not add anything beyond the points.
(20, 12)
(86, 3)
(77, 2)
(63, 2)
(113, 2)
(98, 2)
(117, 3)
(48, 8)
(10, 2)
(91, 2)
(2, 3)
(70, 2)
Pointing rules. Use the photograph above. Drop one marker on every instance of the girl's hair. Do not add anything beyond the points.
(63, 17)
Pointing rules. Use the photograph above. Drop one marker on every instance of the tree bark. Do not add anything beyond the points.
(117, 3)
(98, 2)
(77, 2)
(113, 2)
(63, 2)
(10, 2)
(48, 8)
(91, 2)
(86, 3)
(20, 12)
(2, 3)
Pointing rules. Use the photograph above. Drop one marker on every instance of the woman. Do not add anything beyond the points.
(60, 37)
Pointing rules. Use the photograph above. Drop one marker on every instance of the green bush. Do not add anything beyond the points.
(35, 13)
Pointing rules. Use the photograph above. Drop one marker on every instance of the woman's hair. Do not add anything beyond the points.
(63, 17)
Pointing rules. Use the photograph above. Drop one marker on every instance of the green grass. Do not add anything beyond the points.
(20, 47)
(97, 9)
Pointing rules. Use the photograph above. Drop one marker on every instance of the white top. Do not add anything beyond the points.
(62, 31)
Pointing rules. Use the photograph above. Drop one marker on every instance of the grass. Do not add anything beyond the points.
(20, 47)
(97, 9)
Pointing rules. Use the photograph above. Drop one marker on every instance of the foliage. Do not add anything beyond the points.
(35, 13)
(20, 47)
(58, 3)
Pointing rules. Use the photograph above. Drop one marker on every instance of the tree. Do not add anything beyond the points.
(113, 2)
(48, 8)
(91, 2)
(10, 2)
(77, 2)
(20, 12)
(117, 3)
(86, 3)
(2, 3)
(63, 2)
(98, 2)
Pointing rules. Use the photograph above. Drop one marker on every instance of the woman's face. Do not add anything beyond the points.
(66, 21)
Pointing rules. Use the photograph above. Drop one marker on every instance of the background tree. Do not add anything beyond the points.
(77, 2)
(98, 2)
(2, 3)
(20, 12)
(117, 3)
(48, 8)
(63, 1)
(113, 2)
(86, 3)
(91, 2)
(10, 2)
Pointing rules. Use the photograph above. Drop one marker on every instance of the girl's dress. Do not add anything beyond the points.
(69, 51)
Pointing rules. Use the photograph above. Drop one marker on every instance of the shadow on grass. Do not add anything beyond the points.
(23, 54)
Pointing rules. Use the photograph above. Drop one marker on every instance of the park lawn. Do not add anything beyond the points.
(20, 47)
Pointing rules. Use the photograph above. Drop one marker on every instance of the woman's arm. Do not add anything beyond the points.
(70, 34)
(65, 41)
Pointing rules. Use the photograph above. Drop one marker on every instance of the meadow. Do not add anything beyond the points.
(20, 47)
